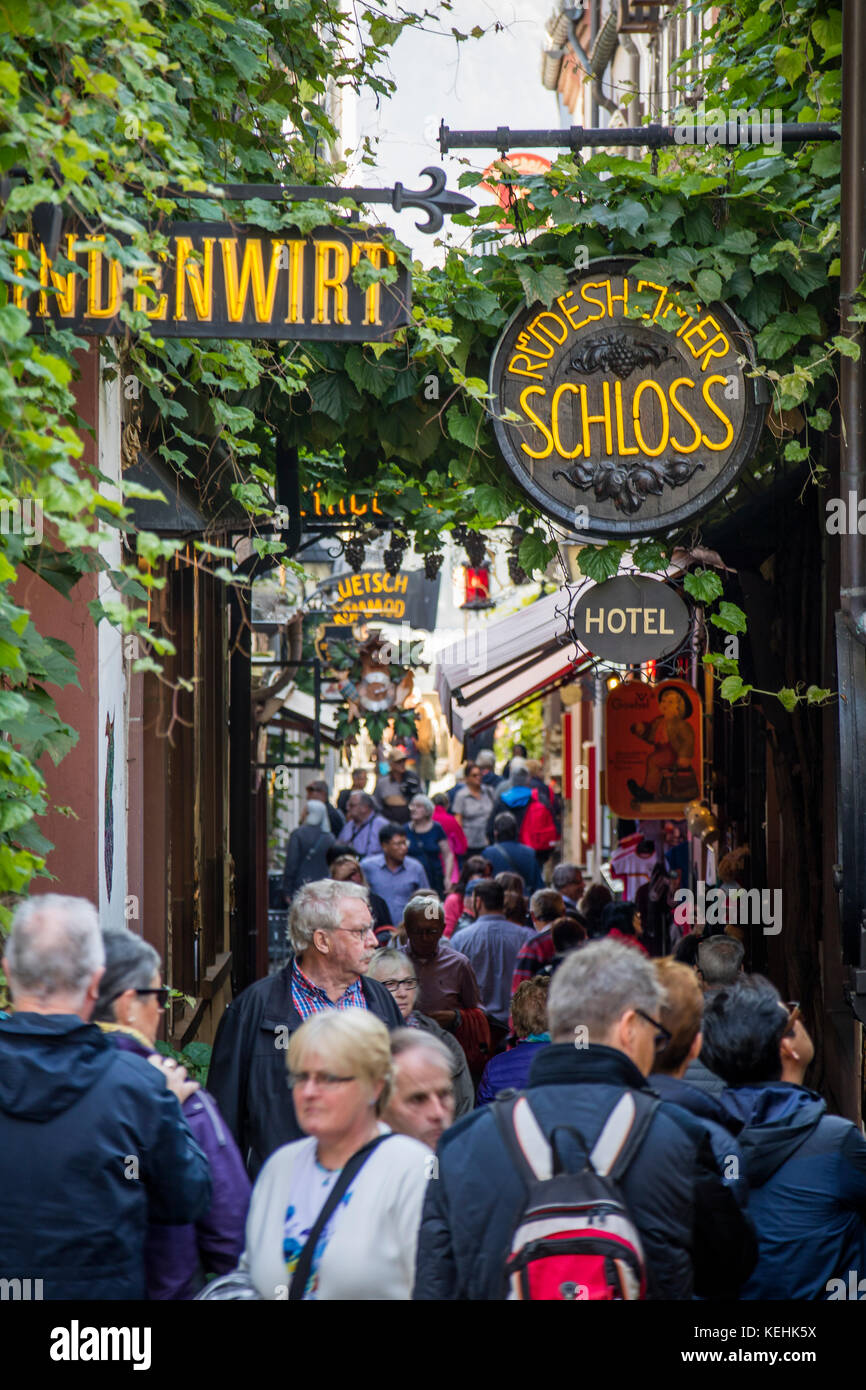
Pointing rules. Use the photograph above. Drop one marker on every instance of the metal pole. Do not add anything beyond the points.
(734, 132)
(852, 375)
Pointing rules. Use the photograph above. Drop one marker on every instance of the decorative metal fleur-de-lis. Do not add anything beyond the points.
(436, 200)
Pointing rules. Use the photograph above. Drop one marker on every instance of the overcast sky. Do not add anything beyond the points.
(482, 83)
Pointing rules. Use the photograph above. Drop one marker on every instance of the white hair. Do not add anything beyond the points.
(54, 947)
(596, 985)
(316, 814)
(316, 907)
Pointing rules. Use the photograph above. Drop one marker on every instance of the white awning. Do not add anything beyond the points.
(506, 663)
(299, 710)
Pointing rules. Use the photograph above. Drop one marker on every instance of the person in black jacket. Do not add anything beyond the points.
(93, 1144)
(602, 1012)
(332, 934)
(307, 849)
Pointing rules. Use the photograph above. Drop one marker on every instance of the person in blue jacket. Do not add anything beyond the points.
(806, 1169)
(131, 1000)
(93, 1144)
(682, 1014)
(507, 854)
(510, 1070)
(603, 1017)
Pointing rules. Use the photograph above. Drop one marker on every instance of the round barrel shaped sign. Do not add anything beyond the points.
(624, 409)
(631, 619)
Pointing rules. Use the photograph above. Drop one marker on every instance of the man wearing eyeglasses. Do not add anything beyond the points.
(603, 1017)
(806, 1169)
(331, 929)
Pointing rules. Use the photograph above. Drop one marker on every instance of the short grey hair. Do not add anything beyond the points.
(365, 799)
(719, 960)
(130, 963)
(316, 907)
(388, 958)
(596, 985)
(405, 1040)
(54, 947)
(486, 758)
(566, 873)
(419, 799)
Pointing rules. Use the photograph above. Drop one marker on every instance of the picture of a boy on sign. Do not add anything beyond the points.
(654, 748)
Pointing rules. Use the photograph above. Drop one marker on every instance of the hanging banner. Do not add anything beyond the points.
(409, 597)
(631, 619)
(218, 280)
(625, 423)
(654, 749)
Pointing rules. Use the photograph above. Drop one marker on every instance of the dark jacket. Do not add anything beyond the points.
(177, 1257)
(807, 1190)
(719, 1124)
(464, 1090)
(92, 1147)
(305, 857)
(508, 1072)
(248, 1077)
(508, 855)
(699, 1075)
(672, 1188)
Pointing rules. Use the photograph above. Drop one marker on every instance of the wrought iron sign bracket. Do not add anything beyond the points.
(436, 202)
(652, 137)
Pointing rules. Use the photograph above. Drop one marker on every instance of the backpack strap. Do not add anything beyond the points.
(623, 1133)
(524, 1139)
(335, 1196)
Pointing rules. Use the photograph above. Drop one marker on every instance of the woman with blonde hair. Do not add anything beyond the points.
(335, 1216)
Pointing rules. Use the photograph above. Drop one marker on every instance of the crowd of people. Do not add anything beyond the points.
(474, 1079)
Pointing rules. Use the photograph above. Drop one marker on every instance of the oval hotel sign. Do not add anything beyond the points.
(631, 619)
(619, 425)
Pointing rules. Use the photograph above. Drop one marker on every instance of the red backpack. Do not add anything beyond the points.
(575, 1240)
(538, 828)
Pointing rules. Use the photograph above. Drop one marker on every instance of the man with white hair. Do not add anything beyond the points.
(331, 930)
(93, 1144)
(421, 1102)
(603, 1010)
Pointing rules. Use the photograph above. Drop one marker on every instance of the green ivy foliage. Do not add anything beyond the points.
(109, 105)
(106, 107)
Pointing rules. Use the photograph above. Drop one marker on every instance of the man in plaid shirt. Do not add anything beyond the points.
(544, 908)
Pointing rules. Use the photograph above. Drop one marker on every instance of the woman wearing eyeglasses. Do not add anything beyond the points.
(335, 1216)
(131, 1000)
(395, 971)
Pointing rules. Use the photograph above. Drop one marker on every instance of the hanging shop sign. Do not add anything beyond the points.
(631, 619)
(350, 505)
(654, 749)
(624, 425)
(409, 597)
(218, 280)
(367, 677)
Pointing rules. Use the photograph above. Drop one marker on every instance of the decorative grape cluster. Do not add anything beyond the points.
(433, 563)
(516, 573)
(392, 556)
(620, 353)
(475, 546)
(355, 549)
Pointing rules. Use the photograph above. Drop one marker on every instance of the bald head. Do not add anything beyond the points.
(55, 956)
